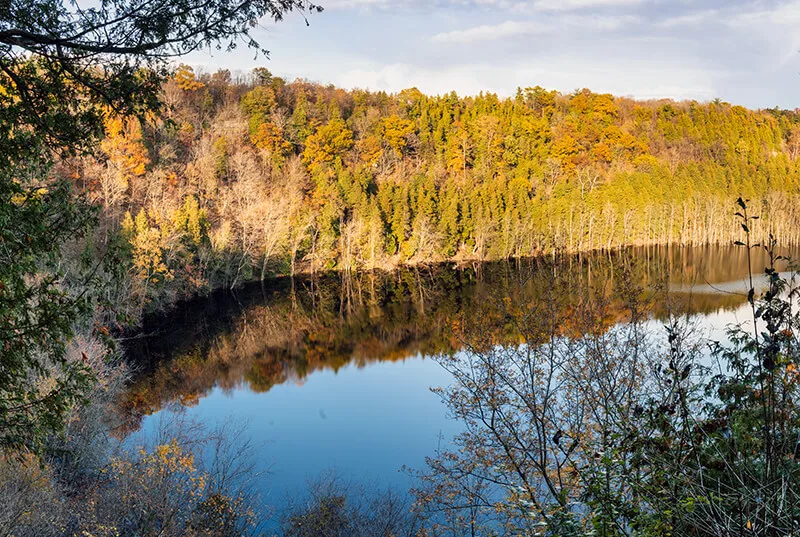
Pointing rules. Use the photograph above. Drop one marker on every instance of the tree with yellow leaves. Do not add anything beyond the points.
(328, 145)
(148, 244)
(369, 150)
(127, 154)
(396, 132)
(186, 80)
(268, 137)
(458, 153)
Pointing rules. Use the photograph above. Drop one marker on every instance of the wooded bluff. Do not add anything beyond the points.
(241, 179)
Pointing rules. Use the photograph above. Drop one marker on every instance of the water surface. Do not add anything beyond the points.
(334, 372)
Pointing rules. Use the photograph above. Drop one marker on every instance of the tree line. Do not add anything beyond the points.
(247, 178)
(126, 185)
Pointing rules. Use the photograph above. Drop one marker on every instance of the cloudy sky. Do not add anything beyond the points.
(743, 51)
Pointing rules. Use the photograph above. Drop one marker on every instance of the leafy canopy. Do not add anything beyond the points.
(63, 66)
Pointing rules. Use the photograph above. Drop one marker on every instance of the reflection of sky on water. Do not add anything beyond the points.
(364, 422)
(367, 422)
(739, 287)
(714, 325)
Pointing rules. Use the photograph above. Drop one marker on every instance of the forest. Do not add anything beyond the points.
(129, 183)
(249, 178)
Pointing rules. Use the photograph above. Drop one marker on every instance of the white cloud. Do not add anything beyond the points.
(491, 32)
(511, 29)
(744, 51)
(636, 78)
(776, 28)
(693, 19)
(784, 13)
(517, 6)
(602, 22)
(570, 5)
(358, 4)
(396, 77)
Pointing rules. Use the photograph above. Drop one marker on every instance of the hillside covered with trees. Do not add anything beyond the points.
(129, 182)
(242, 179)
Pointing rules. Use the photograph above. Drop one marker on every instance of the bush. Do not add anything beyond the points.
(336, 508)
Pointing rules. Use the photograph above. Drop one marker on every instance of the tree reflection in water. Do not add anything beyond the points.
(263, 336)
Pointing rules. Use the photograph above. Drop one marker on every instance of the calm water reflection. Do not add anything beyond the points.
(335, 372)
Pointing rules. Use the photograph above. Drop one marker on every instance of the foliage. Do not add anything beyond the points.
(335, 508)
(622, 432)
(545, 421)
(67, 76)
(37, 381)
(299, 177)
(328, 144)
(195, 485)
(734, 429)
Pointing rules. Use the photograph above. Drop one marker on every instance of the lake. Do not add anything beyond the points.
(334, 372)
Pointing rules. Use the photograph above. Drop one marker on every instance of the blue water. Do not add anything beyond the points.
(364, 423)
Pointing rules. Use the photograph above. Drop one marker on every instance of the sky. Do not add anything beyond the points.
(743, 51)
